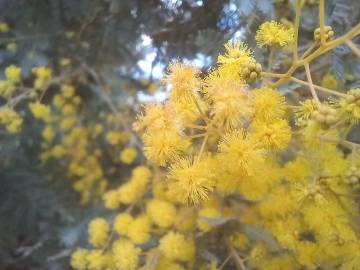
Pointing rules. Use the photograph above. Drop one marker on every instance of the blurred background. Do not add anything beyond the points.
(114, 52)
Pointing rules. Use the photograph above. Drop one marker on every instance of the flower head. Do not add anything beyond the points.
(122, 222)
(273, 136)
(111, 199)
(164, 145)
(175, 246)
(11, 119)
(126, 255)
(237, 57)
(240, 153)
(162, 213)
(183, 80)
(98, 232)
(78, 259)
(13, 73)
(128, 155)
(4, 27)
(139, 229)
(43, 75)
(40, 111)
(269, 104)
(274, 33)
(229, 99)
(191, 181)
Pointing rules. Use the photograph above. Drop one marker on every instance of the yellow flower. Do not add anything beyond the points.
(299, 170)
(68, 123)
(162, 213)
(13, 73)
(191, 181)
(98, 232)
(6, 88)
(116, 137)
(175, 246)
(141, 172)
(162, 146)
(269, 105)
(134, 189)
(4, 27)
(184, 82)
(68, 109)
(240, 153)
(156, 117)
(111, 199)
(48, 133)
(128, 155)
(122, 223)
(79, 259)
(274, 33)
(237, 57)
(40, 111)
(11, 119)
(43, 76)
(126, 255)
(229, 99)
(188, 111)
(139, 230)
(67, 90)
(98, 260)
(273, 136)
(304, 113)
(58, 101)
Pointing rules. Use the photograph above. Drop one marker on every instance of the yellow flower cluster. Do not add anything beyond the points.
(13, 73)
(13, 77)
(65, 137)
(6, 89)
(43, 75)
(229, 172)
(223, 116)
(130, 191)
(11, 120)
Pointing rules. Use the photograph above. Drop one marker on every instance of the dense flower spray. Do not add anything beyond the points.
(234, 160)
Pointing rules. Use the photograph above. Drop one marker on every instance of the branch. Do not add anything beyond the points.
(353, 47)
(311, 85)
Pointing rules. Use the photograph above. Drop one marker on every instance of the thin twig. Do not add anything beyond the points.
(196, 136)
(322, 21)
(297, 23)
(62, 254)
(225, 262)
(202, 147)
(323, 89)
(240, 265)
(311, 85)
(353, 47)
